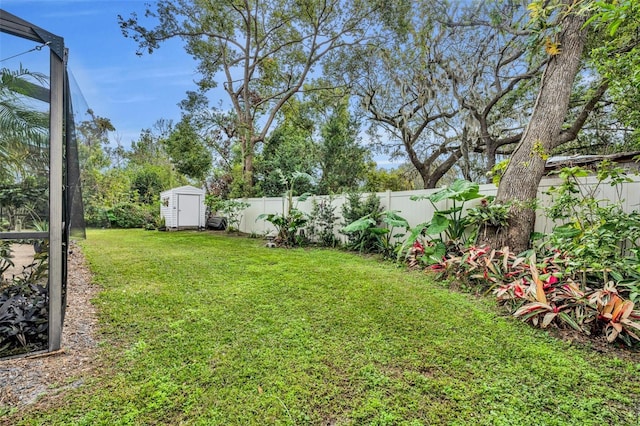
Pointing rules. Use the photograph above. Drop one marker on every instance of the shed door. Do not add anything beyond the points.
(188, 210)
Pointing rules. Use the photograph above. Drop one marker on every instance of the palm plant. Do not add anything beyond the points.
(23, 127)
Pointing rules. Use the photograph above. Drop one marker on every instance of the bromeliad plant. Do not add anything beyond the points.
(544, 293)
(618, 315)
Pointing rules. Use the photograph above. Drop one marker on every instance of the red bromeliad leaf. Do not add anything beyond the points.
(518, 291)
(530, 309)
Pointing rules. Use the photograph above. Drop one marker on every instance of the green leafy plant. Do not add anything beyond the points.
(23, 317)
(292, 220)
(497, 171)
(487, 214)
(375, 233)
(232, 210)
(601, 239)
(355, 208)
(130, 215)
(26, 197)
(322, 222)
(24, 307)
(288, 226)
(447, 231)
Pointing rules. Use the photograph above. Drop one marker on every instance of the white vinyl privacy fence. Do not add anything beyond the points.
(416, 212)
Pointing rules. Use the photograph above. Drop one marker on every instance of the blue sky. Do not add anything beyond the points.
(132, 91)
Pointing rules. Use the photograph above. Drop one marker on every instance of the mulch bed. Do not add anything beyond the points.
(29, 379)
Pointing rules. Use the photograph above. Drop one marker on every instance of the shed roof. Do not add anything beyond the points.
(186, 188)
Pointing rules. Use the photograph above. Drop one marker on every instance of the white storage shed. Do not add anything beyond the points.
(183, 208)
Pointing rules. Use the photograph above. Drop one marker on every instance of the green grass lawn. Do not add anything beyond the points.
(210, 329)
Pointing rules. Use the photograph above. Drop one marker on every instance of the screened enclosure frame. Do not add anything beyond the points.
(61, 193)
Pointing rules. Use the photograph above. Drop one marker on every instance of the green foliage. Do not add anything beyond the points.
(148, 184)
(354, 209)
(342, 160)
(5, 257)
(379, 179)
(131, 215)
(290, 223)
(188, 152)
(24, 323)
(23, 201)
(290, 150)
(24, 302)
(24, 135)
(230, 209)
(497, 171)
(601, 239)
(615, 55)
(288, 226)
(322, 222)
(447, 231)
(487, 214)
(374, 233)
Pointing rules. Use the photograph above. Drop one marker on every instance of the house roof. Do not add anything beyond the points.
(554, 163)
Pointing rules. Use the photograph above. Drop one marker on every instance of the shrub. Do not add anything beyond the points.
(601, 240)
(130, 215)
(355, 208)
(289, 225)
(24, 308)
(322, 222)
(232, 210)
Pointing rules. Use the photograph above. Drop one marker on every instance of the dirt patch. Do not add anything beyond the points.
(21, 256)
(24, 380)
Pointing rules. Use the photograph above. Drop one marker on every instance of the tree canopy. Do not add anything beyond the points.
(262, 52)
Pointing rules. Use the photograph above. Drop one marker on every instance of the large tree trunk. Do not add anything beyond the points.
(519, 184)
